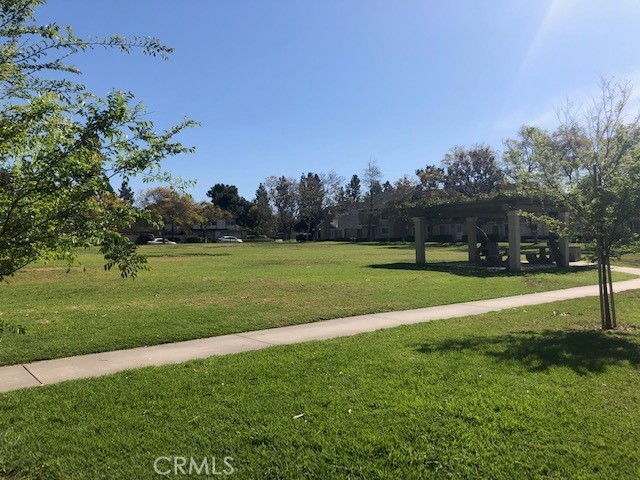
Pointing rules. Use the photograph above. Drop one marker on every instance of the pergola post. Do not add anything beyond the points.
(472, 238)
(420, 225)
(515, 264)
(563, 242)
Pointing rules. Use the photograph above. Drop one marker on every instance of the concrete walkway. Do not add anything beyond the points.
(47, 372)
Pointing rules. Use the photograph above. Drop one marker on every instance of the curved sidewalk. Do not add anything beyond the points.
(46, 372)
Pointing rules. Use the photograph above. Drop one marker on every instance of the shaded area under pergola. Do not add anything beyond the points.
(508, 207)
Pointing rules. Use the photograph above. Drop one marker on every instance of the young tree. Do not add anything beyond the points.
(60, 145)
(589, 166)
(173, 208)
(472, 173)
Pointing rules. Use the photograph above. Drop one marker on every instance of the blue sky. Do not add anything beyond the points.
(286, 87)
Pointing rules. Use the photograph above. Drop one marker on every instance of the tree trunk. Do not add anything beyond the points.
(607, 305)
(614, 317)
(600, 283)
(605, 290)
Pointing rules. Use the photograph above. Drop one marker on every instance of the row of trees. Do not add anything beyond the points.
(280, 205)
(283, 205)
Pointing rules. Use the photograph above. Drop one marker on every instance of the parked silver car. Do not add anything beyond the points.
(228, 239)
(161, 241)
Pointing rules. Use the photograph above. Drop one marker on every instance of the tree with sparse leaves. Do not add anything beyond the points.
(60, 146)
(372, 177)
(590, 167)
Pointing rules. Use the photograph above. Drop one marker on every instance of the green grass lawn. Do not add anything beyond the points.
(629, 260)
(537, 392)
(205, 290)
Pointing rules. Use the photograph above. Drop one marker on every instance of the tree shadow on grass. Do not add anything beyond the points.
(584, 352)
(465, 269)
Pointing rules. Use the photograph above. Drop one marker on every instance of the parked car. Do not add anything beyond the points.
(228, 239)
(304, 237)
(161, 241)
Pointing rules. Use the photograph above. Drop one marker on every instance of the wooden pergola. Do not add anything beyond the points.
(507, 207)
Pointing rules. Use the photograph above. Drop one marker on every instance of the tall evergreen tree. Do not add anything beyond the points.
(311, 198)
(352, 190)
(228, 199)
(265, 220)
(126, 193)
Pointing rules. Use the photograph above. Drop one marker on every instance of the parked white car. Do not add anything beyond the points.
(229, 239)
(161, 241)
